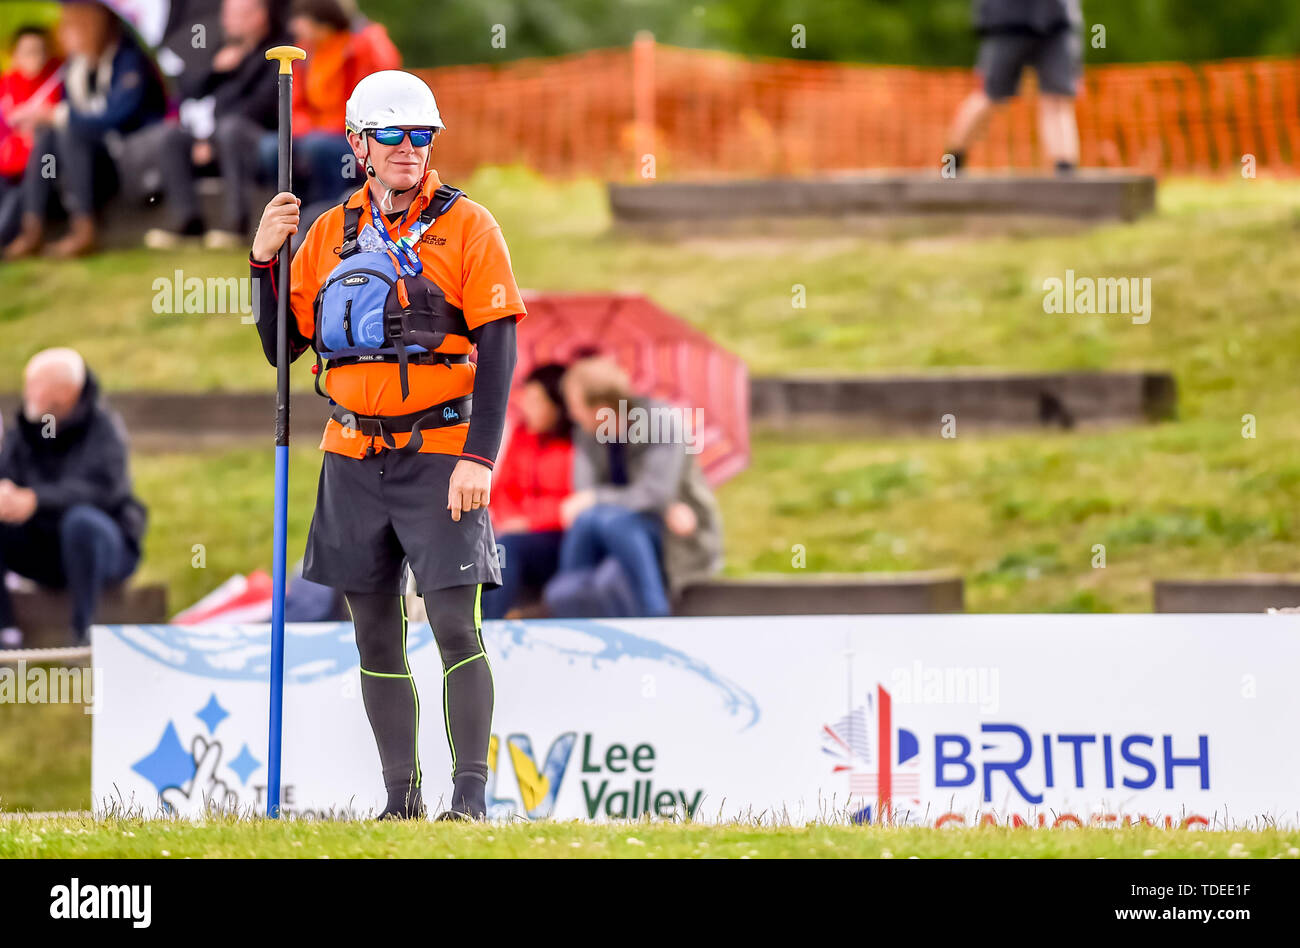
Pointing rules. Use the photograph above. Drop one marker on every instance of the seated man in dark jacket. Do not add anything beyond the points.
(67, 514)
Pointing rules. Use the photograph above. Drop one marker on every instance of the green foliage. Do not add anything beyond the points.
(919, 32)
(16, 13)
(916, 32)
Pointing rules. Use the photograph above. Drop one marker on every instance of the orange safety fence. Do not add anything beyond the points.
(666, 112)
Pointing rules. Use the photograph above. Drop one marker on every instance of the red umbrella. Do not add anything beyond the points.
(665, 358)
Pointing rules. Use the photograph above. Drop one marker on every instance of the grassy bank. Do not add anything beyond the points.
(75, 837)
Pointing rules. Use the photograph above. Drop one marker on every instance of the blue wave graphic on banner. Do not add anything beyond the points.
(317, 650)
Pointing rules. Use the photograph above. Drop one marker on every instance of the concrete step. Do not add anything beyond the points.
(1087, 197)
(780, 594)
(1250, 593)
(45, 615)
(843, 404)
(986, 400)
(125, 221)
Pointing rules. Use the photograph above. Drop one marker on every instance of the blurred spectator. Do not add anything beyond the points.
(28, 91)
(337, 59)
(371, 39)
(227, 110)
(642, 505)
(534, 477)
(110, 91)
(67, 514)
(1045, 35)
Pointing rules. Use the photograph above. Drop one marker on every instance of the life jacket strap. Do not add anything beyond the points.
(442, 202)
(415, 358)
(455, 411)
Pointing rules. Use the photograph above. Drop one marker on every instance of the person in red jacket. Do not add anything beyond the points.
(535, 476)
(28, 93)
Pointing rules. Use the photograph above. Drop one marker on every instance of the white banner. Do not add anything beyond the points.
(1017, 719)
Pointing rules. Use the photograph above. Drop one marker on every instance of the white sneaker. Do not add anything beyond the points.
(155, 238)
(11, 638)
(224, 240)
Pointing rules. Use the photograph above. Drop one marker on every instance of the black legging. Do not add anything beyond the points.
(393, 704)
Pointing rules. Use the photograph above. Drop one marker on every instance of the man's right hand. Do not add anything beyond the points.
(279, 220)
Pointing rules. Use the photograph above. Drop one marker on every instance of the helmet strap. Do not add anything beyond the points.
(386, 202)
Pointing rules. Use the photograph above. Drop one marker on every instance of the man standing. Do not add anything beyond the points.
(394, 288)
(67, 514)
(1045, 35)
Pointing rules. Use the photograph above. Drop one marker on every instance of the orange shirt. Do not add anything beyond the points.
(466, 256)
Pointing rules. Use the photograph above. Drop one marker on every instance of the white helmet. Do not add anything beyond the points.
(389, 98)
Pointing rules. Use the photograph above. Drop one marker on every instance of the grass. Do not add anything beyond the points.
(44, 757)
(224, 837)
(210, 514)
(1019, 515)
(1221, 257)
(1025, 518)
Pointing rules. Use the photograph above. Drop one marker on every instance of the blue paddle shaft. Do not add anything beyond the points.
(285, 81)
(277, 628)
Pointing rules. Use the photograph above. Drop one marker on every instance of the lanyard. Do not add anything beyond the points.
(404, 249)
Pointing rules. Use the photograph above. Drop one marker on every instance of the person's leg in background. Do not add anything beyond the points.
(11, 209)
(1059, 65)
(168, 147)
(82, 164)
(33, 553)
(326, 158)
(634, 539)
(1059, 131)
(1001, 60)
(37, 192)
(581, 547)
(11, 543)
(390, 697)
(528, 561)
(95, 554)
(268, 159)
(467, 692)
(972, 117)
(236, 142)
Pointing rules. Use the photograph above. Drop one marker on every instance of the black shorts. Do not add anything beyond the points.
(373, 512)
(1056, 58)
